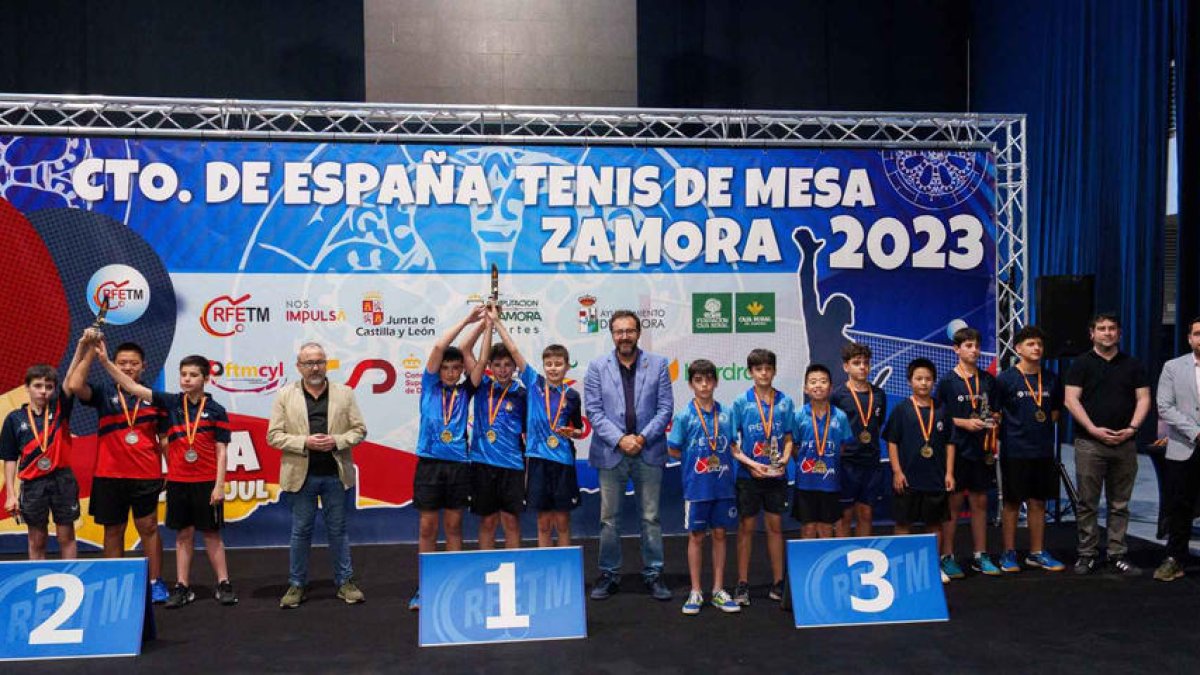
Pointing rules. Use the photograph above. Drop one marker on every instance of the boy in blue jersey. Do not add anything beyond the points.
(1030, 400)
(862, 471)
(762, 422)
(968, 395)
(700, 437)
(922, 456)
(442, 483)
(497, 451)
(820, 432)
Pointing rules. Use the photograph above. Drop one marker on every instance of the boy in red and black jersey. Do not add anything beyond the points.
(197, 433)
(35, 446)
(128, 473)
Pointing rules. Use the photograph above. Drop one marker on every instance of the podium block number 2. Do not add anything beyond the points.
(505, 579)
(48, 632)
(873, 577)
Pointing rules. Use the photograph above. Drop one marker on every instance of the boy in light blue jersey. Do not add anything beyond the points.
(762, 423)
(497, 449)
(821, 431)
(553, 419)
(442, 483)
(701, 436)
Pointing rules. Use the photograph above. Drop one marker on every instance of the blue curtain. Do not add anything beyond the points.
(1186, 43)
(1092, 78)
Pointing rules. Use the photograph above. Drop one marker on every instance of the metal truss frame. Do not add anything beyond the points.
(1004, 135)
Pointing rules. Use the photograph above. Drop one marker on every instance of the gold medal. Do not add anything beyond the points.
(714, 462)
(552, 442)
(494, 410)
(43, 441)
(447, 436)
(1040, 415)
(491, 436)
(820, 438)
(864, 437)
(820, 467)
(926, 451)
(716, 434)
(864, 417)
(926, 431)
(447, 413)
(768, 418)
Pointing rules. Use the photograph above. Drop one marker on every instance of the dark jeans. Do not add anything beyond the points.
(1182, 490)
(1112, 469)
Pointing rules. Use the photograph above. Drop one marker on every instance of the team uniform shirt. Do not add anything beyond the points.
(953, 394)
(854, 451)
(19, 441)
(118, 458)
(438, 401)
(537, 424)
(817, 470)
(200, 464)
(1022, 435)
(508, 405)
(927, 474)
(749, 427)
(707, 462)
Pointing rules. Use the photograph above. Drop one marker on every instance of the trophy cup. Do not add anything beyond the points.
(776, 457)
(100, 321)
(989, 425)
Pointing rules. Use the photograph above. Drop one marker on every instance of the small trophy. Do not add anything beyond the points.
(776, 457)
(100, 321)
(989, 424)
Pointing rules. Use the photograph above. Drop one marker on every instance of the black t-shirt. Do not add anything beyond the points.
(904, 428)
(874, 406)
(319, 463)
(1109, 387)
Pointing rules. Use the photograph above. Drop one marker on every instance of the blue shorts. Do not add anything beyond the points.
(861, 484)
(550, 486)
(710, 514)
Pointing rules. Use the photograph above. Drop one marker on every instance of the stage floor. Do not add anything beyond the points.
(1055, 623)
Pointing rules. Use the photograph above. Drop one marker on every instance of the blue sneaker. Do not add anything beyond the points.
(414, 603)
(159, 592)
(694, 601)
(951, 568)
(725, 602)
(1008, 562)
(983, 564)
(1045, 561)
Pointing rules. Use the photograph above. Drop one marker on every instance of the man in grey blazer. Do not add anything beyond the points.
(1179, 407)
(627, 397)
(316, 423)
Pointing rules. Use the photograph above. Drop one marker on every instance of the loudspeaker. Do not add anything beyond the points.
(1065, 304)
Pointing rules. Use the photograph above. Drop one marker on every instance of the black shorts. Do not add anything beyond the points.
(761, 494)
(55, 493)
(495, 488)
(973, 475)
(113, 499)
(920, 506)
(815, 506)
(861, 483)
(551, 486)
(187, 506)
(440, 484)
(1025, 479)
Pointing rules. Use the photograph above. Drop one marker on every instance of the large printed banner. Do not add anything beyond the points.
(241, 251)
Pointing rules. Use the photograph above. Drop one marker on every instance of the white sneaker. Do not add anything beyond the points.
(945, 578)
(694, 602)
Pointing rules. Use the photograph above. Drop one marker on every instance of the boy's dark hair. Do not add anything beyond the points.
(198, 361)
(701, 367)
(625, 314)
(760, 357)
(452, 354)
(556, 350)
(967, 334)
(499, 352)
(1104, 316)
(853, 350)
(817, 368)
(40, 371)
(131, 347)
(919, 363)
(1030, 332)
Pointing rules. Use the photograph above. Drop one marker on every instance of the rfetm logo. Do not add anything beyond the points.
(225, 315)
(127, 291)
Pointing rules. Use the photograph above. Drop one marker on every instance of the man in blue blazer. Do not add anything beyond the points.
(1179, 407)
(627, 396)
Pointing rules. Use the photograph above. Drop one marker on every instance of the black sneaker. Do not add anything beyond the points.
(225, 594)
(1121, 565)
(776, 592)
(180, 596)
(1085, 565)
(605, 586)
(741, 594)
(658, 588)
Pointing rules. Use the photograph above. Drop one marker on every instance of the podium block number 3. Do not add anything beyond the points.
(505, 578)
(48, 632)
(873, 577)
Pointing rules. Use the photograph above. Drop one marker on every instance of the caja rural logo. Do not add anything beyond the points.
(225, 316)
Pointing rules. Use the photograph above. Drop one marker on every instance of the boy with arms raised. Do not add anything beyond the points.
(968, 395)
(862, 475)
(197, 435)
(762, 421)
(1030, 400)
(820, 432)
(700, 437)
(922, 456)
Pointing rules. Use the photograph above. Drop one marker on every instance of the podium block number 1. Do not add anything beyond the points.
(505, 579)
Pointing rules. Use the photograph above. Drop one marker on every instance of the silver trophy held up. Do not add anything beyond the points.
(101, 320)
